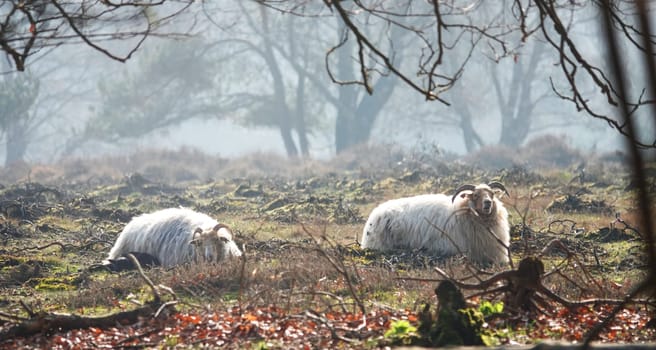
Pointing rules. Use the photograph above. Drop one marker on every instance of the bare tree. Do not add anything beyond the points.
(18, 94)
(357, 111)
(279, 67)
(281, 109)
(172, 82)
(33, 28)
(497, 29)
(517, 103)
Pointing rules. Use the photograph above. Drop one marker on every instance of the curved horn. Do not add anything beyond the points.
(197, 231)
(217, 227)
(499, 185)
(467, 187)
(220, 226)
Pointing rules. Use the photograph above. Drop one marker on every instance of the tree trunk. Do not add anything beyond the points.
(288, 140)
(299, 110)
(16, 143)
(347, 99)
(355, 120)
(369, 109)
(469, 134)
(343, 125)
(516, 111)
(301, 129)
(283, 114)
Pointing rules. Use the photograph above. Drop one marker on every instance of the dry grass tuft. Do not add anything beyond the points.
(542, 152)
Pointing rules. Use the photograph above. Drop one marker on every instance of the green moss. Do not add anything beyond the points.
(9, 260)
(18, 270)
(624, 257)
(230, 296)
(104, 191)
(386, 184)
(55, 223)
(56, 283)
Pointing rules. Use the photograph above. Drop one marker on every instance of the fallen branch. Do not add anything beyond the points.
(523, 288)
(334, 329)
(43, 322)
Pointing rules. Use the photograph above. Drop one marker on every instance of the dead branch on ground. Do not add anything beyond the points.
(524, 290)
(42, 322)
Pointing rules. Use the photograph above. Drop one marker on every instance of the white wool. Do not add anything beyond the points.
(441, 227)
(166, 234)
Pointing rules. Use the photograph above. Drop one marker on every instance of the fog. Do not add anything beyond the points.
(250, 79)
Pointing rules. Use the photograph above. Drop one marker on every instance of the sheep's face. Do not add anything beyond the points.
(480, 199)
(216, 243)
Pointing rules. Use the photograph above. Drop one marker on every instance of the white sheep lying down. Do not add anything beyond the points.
(472, 222)
(175, 236)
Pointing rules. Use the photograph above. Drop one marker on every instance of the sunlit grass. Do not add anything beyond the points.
(283, 226)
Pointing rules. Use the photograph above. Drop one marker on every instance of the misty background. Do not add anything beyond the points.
(236, 78)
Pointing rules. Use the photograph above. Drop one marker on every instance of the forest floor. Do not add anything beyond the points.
(304, 282)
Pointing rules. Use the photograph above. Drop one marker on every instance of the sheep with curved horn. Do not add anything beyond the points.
(473, 221)
(175, 236)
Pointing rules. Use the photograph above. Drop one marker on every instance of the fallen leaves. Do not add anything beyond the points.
(630, 324)
(232, 327)
(235, 328)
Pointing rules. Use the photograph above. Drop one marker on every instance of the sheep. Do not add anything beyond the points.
(473, 222)
(169, 235)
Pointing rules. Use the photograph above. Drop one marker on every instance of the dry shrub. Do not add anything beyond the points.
(550, 151)
(185, 164)
(546, 151)
(191, 165)
(164, 166)
(292, 274)
(386, 160)
(367, 158)
(25, 172)
(493, 157)
(270, 165)
(161, 165)
(371, 161)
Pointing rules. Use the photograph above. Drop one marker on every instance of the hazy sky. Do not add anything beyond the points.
(70, 95)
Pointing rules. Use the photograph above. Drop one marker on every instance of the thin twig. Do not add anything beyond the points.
(153, 288)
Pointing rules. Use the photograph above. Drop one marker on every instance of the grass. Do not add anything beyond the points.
(277, 218)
